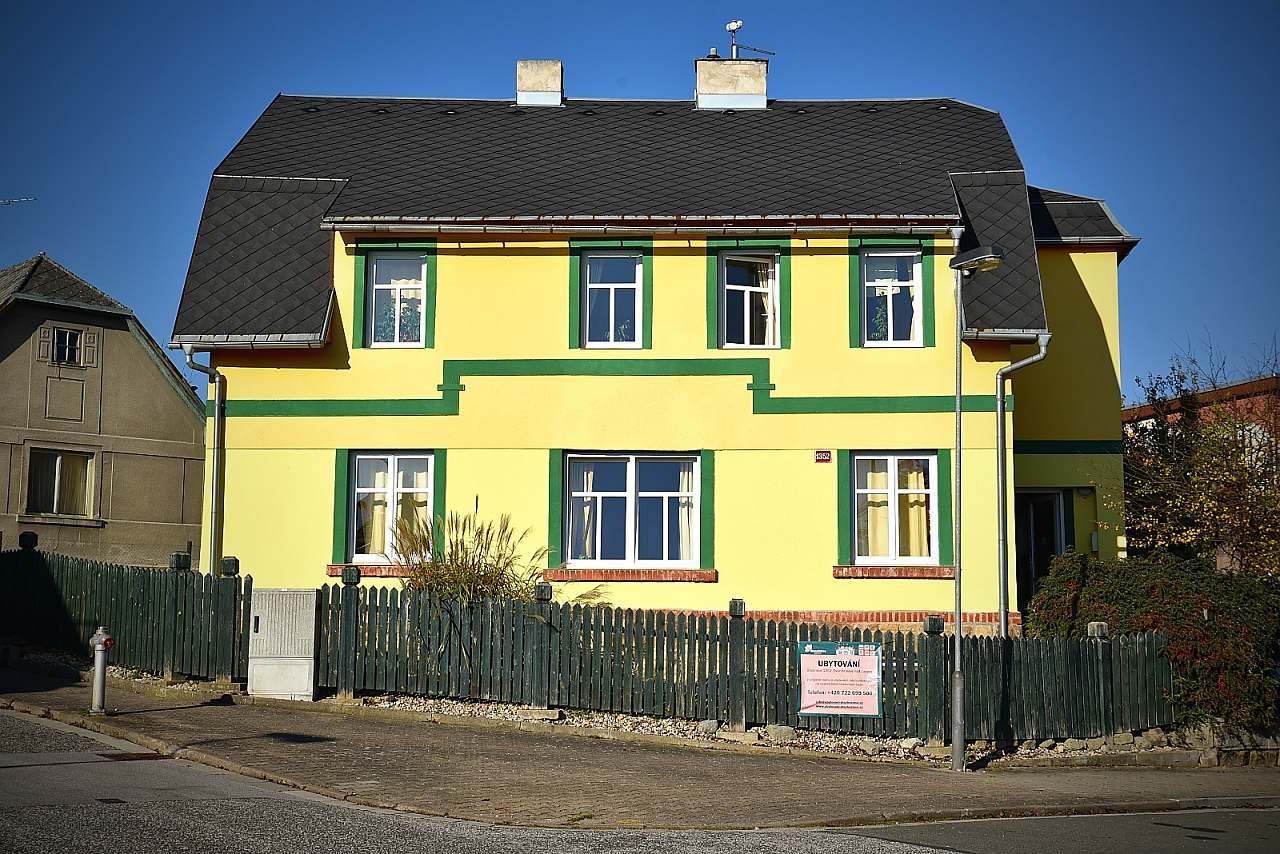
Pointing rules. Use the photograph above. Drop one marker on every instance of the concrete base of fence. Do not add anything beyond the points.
(541, 714)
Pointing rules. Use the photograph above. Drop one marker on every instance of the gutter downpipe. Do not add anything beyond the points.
(957, 675)
(219, 420)
(1002, 499)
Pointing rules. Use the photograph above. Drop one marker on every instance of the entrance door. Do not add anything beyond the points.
(1038, 537)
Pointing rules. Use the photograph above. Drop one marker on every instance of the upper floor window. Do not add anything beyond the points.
(612, 305)
(388, 489)
(632, 510)
(397, 286)
(891, 288)
(58, 482)
(66, 346)
(895, 508)
(748, 300)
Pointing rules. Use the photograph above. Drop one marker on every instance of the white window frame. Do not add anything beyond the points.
(392, 492)
(372, 289)
(917, 299)
(774, 307)
(78, 361)
(585, 300)
(893, 491)
(89, 472)
(632, 496)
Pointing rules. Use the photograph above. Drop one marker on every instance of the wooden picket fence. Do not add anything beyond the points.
(699, 666)
(163, 621)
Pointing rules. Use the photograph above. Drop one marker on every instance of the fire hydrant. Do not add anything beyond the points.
(101, 642)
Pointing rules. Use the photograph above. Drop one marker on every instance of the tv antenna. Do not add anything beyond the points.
(733, 27)
(15, 201)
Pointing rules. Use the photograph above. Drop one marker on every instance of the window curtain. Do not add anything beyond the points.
(375, 514)
(413, 505)
(41, 474)
(686, 512)
(73, 485)
(873, 527)
(913, 514)
(587, 548)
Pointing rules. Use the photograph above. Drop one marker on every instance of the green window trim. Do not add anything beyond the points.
(946, 512)
(763, 401)
(576, 250)
(707, 510)
(928, 306)
(717, 245)
(844, 508)
(555, 508)
(358, 314)
(341, 499)
(439, 511)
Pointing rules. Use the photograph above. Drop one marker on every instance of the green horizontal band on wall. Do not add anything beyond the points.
(1068, 446)
(757, 369)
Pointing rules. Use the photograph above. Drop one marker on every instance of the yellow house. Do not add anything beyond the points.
(702, 349)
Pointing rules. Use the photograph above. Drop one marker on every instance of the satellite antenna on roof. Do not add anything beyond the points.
(733, 27)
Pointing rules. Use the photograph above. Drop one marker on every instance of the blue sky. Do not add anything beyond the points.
(115, 114)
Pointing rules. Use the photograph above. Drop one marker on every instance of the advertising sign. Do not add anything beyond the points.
(839, 678)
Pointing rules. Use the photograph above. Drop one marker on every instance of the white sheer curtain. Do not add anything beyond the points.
(686, 511)
(587, 549)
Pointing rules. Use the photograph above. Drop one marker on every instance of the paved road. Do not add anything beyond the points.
(69, 791)
(503, 776)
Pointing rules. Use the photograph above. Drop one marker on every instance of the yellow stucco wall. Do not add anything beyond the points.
(775, 508)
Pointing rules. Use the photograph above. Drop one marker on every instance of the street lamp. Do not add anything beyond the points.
(980, 258)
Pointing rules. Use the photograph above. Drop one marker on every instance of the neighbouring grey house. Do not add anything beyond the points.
(101, 437)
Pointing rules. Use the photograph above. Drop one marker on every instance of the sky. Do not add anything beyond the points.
(115, 114)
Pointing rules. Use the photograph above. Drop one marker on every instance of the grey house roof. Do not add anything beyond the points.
(259, 272)
(42, 279)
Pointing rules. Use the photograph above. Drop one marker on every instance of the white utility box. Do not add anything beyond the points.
(282, 644)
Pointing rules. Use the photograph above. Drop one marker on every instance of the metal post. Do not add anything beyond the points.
(101, 642)
(737, 665)
(957, 676)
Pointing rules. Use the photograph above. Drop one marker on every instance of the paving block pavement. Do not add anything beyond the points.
(506, 775)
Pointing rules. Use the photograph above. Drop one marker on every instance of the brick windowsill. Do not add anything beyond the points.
(370, 570)
(893, 572)
(694, 575)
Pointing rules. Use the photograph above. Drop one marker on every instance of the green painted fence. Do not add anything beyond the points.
(698, 666)
(163, 621)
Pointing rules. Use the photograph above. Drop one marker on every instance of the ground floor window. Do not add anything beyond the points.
(895, 508)
(388, 488)
(58, 482)
(631, 510)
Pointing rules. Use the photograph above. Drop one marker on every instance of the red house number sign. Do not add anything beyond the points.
(822, 456)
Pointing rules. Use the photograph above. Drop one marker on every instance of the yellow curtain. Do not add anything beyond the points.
(873, 525)
(73, 485)
(413, 506)
(913, 511)
(376, 526)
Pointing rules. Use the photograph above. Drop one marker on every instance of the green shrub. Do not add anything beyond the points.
(1221, 628)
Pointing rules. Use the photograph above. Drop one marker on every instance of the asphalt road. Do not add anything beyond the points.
(67, 790)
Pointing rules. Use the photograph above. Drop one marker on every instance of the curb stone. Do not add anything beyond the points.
(202, 757)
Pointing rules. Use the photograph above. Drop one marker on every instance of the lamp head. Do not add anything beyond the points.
(733, 26)
(980, 258)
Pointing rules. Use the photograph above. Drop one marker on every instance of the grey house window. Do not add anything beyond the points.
(66, 347)
(58, 482)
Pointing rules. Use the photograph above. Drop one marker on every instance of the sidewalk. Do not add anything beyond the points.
(492, 774)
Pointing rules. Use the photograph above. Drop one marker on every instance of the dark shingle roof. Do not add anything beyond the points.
(260, 272)
(1060, 217)
(260, 268)
(43, 279)
(997, 211)
(478, 159)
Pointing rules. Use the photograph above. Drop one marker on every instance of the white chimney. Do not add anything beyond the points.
(539, 83)
(731, 84)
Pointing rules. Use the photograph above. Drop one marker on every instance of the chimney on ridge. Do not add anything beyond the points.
(539, 83)
(731, 84)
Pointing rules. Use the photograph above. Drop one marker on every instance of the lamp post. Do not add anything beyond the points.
(965, 263)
